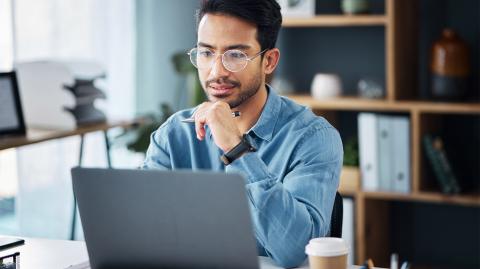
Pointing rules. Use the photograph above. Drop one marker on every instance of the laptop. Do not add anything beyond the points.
(164, 219)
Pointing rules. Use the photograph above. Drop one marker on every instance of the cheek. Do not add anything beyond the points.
(203, 76)
(252, 73)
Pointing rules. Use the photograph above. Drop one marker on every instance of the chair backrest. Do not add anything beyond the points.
(337, 217)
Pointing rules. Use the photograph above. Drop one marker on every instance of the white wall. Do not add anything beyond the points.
(163, 28)
(6, 35)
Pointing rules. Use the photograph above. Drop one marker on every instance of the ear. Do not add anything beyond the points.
(270, 60)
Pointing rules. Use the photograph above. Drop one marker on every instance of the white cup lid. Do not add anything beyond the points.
(326, 247)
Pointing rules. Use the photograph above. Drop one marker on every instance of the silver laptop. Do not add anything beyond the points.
(164, 219)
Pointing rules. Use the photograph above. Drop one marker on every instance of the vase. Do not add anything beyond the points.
(326, 86)
(450, 66)
(355, 6)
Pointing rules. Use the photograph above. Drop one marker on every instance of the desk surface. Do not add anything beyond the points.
(35, 135)
(60, 254)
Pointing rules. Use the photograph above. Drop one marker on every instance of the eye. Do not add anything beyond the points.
(236, 54)
(205, 53)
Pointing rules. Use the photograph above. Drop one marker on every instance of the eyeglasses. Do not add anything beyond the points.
(233, 60)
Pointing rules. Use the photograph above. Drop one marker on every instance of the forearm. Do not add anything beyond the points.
(284, 225)
(157, 156)
(286, 214)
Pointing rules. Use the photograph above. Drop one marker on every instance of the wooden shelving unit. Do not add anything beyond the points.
(429, 197)
(337, 21)
(372, 217)
(357, 104)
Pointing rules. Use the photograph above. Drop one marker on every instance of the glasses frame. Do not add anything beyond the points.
(247, 59)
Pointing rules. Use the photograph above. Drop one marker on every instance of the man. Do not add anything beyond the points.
(290, 158)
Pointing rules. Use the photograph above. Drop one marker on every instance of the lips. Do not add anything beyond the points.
(221, 89)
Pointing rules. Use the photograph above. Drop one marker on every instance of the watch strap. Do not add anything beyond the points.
(235, 153)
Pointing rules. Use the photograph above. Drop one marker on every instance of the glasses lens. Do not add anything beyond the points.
(234, 60)
(201, 58)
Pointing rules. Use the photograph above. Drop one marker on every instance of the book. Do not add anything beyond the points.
(445, 164)
(440, 165)
(367, 137)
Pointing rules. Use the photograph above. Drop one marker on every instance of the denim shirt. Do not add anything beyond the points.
(291, 179)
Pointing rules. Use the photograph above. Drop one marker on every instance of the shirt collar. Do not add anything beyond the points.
(265, 125)
(268, 119)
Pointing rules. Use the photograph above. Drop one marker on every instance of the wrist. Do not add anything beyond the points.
(233, 143)
(244, 146)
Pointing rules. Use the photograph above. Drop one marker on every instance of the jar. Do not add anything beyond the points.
(450, 66)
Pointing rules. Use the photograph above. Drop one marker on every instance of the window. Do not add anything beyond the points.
(100, 31)
(6, 35)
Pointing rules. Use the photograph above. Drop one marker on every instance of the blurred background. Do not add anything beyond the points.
(133, 43)
(398, 78)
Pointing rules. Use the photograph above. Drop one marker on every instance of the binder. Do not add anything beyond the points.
(348, 227)
(385, 153)
(401, 154)
(367, 135)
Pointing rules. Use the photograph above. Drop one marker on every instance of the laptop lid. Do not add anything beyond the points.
(164, 219)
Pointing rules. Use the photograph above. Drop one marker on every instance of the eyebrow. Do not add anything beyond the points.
(236, 46)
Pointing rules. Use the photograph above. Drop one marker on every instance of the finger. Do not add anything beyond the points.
(199, 126)
(200, 120)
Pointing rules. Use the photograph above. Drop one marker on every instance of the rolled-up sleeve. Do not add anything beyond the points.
(158, 156)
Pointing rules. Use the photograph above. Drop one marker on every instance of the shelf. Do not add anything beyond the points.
(430, 197)
(348, 193)
(336, 21)
(444, 107)
(36, 135)
(349, 103)
(359, 104)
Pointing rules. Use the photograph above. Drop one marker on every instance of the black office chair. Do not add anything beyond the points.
(337, 217)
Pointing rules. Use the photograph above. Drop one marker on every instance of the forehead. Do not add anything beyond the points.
(222, 31)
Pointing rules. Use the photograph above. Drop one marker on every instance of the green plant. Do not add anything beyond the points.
(137, 139)
(350, 149)
(184, 67)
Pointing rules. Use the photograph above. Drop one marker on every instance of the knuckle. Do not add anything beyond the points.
(225, 105)
(217, 105)
(211, 113)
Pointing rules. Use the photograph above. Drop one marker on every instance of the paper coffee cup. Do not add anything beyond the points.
(327, 253)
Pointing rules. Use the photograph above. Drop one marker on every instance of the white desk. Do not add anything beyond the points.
(60, 254)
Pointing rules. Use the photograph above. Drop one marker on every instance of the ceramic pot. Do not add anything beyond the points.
(326, 86)
(355, 6)
(450, 66)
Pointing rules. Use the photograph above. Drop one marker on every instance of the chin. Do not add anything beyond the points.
(224, 97)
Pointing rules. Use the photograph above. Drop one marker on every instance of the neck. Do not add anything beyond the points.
(251, 109)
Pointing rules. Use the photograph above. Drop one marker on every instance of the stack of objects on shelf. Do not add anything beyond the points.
(384, 144)
(59, 94)
(86, 93)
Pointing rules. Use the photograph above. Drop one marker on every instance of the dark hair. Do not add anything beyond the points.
(265, 14)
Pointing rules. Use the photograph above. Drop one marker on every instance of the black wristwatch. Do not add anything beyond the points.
(242, 147)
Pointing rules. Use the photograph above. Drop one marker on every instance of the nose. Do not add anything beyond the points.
(218, 69)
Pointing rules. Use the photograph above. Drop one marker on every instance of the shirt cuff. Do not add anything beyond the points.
(250, 166)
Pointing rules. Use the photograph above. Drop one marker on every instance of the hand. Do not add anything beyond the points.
(218, 117)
